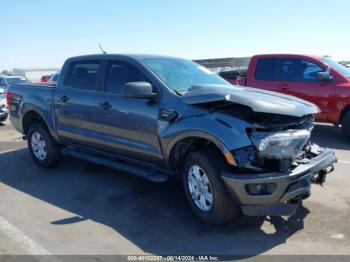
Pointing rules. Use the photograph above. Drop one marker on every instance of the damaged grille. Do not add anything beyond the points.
(251, 159)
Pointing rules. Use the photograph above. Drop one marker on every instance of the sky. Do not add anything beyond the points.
(43, 33)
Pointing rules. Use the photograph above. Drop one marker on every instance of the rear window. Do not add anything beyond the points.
(16, 80)
(84, 75)
(265, 69)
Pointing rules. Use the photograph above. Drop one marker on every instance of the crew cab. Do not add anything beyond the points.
(236, 149)
(317, 79)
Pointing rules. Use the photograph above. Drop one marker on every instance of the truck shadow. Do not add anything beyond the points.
(330, 136)
(155, 217)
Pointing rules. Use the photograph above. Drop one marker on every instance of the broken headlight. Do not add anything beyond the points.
(283, 144)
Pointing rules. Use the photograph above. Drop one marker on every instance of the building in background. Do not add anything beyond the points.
(34, 74)
(223, 64)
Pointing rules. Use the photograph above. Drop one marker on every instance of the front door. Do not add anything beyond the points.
(298, 77)
(126, 126)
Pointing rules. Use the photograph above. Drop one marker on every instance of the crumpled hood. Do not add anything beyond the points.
(257, 99)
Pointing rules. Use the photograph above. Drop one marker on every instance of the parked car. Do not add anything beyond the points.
(319, 80)
(5, 81)
(53, 79)
(3, 108)
(45, 79)
(236, 149)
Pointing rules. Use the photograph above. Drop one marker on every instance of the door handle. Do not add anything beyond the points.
(105, 105)
(64, 99)
(285, 87)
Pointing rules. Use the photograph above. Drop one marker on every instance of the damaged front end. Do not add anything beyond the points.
(279, 192)
(279, 147)
(276, 166)
(275, 173)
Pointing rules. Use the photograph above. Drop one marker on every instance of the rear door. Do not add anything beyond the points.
(126, 126)
(297, 77)
(75, 102)
(265, 74)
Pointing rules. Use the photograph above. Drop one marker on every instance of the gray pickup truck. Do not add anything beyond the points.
(236, 149)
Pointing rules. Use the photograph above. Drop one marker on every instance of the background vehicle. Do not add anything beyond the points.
(319, 80)
(5, 81)
(154, 116)
(53, 79)
(45, 79)
(3, 108)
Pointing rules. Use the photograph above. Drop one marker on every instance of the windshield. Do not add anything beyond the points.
(335, 65)
(181, 74)
(16, 80)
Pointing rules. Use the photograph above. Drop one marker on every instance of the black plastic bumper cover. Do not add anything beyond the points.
(289, 185)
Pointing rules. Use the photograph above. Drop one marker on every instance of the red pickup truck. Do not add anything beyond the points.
(317, 79)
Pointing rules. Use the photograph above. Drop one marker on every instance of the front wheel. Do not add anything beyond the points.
(43, 149)
(205, 190)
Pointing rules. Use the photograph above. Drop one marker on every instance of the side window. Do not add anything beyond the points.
(84, 75)
(288, 69)
(309, 71)
(298, 70)
(55, 78)
(2, 82)
(119, 73)
(265, 69)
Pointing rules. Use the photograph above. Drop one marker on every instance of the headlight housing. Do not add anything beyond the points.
(278, 145)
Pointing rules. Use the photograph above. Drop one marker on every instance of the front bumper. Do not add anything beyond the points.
(287, 185)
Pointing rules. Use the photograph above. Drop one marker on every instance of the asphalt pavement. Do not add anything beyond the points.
(84, 209)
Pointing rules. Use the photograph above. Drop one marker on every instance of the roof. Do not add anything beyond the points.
(287, 55)
(37, 69)
(11, 76)
(111, 56)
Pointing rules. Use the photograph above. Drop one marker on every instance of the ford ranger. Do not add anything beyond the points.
(236, 149)
(317, 79)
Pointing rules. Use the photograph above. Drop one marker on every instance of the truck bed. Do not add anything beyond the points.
(24, 98)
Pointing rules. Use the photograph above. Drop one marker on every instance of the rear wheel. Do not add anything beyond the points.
(43, 149)
(345, 125)
(205, 190)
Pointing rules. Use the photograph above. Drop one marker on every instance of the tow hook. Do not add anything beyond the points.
(320, 178)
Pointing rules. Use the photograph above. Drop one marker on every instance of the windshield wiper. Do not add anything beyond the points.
(180, 91)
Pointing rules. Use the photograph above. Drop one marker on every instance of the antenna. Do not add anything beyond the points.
(103, 51)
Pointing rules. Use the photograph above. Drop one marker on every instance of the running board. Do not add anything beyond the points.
(150, 174)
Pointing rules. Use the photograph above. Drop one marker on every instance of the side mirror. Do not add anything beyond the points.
(324, 76)
(141, 90)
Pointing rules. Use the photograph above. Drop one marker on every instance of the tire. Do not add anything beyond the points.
(223, 207)
(345, 125)
(51, 152)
